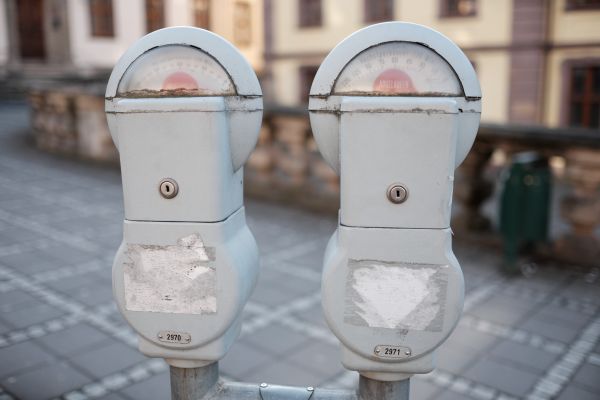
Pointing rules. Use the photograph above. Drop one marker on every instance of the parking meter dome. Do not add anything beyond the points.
(393, 59)
(178, 62)
(184, 109)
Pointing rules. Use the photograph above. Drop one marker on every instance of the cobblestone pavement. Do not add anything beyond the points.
(62, 337)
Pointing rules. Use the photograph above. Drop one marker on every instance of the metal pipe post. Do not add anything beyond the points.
(369, 389)
(193, 383)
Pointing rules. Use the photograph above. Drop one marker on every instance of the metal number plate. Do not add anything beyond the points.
(387, 351)
(174, 337)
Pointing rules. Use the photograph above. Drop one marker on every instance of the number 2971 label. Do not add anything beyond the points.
(386, 351)
(174, 337)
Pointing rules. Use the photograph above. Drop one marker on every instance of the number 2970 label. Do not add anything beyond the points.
(174, 337)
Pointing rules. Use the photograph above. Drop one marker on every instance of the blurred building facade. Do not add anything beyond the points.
(83, 37)
(538, 60)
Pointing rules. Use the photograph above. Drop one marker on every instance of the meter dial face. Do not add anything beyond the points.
(398, 69)
(175, 71)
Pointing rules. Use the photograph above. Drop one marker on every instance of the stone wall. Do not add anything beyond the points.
(286, 165)
(72, 122)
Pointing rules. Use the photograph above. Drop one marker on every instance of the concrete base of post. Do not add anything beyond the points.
(203, 384)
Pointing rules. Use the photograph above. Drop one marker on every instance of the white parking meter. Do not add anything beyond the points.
(184, 109)
(394, 108)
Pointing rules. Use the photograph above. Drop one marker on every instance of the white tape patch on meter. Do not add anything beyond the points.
(396, 296)
(175, 279)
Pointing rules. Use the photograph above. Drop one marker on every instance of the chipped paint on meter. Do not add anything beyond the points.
(398, 69)
(173, 71)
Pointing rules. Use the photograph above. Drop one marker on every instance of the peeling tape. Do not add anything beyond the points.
(400, 296)
(175, 279)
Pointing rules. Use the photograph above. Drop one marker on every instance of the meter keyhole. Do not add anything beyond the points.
(397, 193)
(168, 188)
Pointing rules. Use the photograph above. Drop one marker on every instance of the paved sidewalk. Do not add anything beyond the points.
(61, 336)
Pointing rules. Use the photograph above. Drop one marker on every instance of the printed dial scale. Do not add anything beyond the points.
(398, 69)
(175, 70)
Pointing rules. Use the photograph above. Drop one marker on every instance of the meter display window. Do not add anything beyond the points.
(175, 71)
(398, 69)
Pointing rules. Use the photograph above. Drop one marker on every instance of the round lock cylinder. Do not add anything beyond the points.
(184, 109)
(168, 188)
(394, 109)
(397, 194)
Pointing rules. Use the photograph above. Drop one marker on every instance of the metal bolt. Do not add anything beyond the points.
(407, 352)
(397, 193)
(310, 388)
(263, 385)
(168, 188)
(160, 336)
(377, 350)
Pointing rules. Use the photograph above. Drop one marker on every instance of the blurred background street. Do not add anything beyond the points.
(526, 232)
(62, 336)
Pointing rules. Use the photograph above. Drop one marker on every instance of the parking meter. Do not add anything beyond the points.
(394, 108)
(184, 109)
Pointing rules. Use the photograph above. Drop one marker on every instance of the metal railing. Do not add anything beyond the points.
(204, 384)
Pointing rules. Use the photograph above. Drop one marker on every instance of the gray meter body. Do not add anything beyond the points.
(394, 108)
(184, 109)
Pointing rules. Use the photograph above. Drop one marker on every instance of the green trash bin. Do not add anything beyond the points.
(525, 206)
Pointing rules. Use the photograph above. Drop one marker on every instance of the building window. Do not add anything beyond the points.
(310, 13)
(582, 4)
(378, 10)
(202, 13)
(458, 8)
(155, 15)
(584, 99)
(242, 23)
(101, 15)
(307, 75)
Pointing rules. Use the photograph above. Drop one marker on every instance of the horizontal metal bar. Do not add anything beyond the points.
(203, 383)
